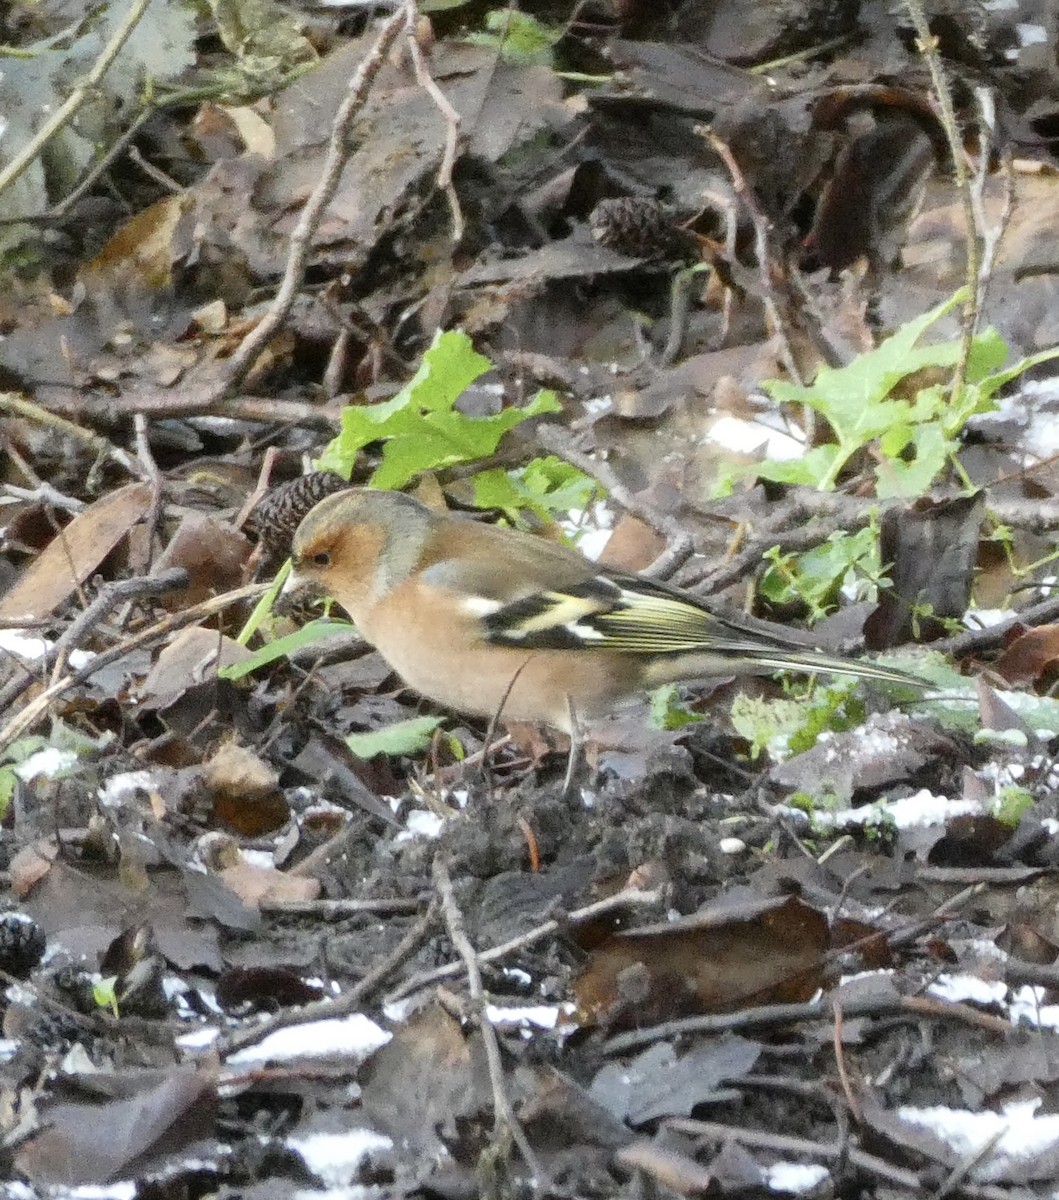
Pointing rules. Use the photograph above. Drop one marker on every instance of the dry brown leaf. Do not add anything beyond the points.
(253, 885)
(75, 553)
(767, 952)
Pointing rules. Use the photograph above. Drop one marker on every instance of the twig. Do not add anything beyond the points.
(968, 1163)
(784, 1143)
(338, 150)
(539, 933)
(23, 721)
(505, 1123)
(323, 1010)
(762, 247)
(768, 1015)
(57, 655)
(679, 546)
(335, 910)
(452, 130)
(70, 106)
(20, 407)
(927, 45)
(143, 452)
(991, 235)
(110, 597)
(159, 404)
(975, 641)
(840, 1063)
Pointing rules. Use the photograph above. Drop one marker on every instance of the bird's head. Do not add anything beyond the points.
(358, 544)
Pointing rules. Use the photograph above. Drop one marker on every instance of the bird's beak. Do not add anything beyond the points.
(293, 583)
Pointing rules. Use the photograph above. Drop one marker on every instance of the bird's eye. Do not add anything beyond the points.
(323, 559)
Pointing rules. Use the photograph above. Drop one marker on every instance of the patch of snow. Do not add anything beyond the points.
(337, 1157)
(14, 641)
(795, 1177)
(910, 812)
(750, 437)
(355, 1036)
(960, 988)
(1031, 35)
(1020, 1132)
(731, 845)
(259, 858)
(1027, 1004)
(986, 618)
(127, 783)
(543, 1016)
(421, 823)
(47, 762)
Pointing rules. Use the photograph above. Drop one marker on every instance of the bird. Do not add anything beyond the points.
(485, 620)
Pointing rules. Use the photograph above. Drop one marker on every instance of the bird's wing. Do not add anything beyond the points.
(628, 614)
(617, 612)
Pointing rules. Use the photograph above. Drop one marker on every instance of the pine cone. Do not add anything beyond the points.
(640, 228)
(279, 512)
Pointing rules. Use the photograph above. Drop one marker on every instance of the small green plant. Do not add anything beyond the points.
(104, 993)
(519, 38)
(420, 428)
(14, 754)
(402, 737)
(817, 576)
(783, 727)
(546, 487)
(667, 711)
(1011, 804)
(916, 436)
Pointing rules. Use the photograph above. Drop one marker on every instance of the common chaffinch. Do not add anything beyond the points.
(486, 620)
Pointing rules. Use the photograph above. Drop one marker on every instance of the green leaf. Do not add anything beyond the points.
(404, 737)
(105, 995)
(263, 608)
(1012, 802)
(8, 779)
(815, 577)
(546, 487)
(283, 647)
(420, 428)
(667, 711)
(519, 37)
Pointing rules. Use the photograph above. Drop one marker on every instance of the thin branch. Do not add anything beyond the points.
(23, 721)
(927, 44)
(679, 546)
(452, 132)
(19, 407)
(762, 247)
(631, 898)
(505, 1123)
(338, 151)
(69, 108)
(351, 1001)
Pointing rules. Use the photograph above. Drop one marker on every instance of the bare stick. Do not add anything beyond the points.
(679, 546)
(991, 235)
(338, 151)
(20, 407)
(23, 721)
(505, 1123)
(158, 404)
(762, 247)
(351, 1001)
(68, 109)
(452, 132)
(927, 45)
(631, 898)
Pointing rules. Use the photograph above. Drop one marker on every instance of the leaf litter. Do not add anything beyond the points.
(780, 941)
